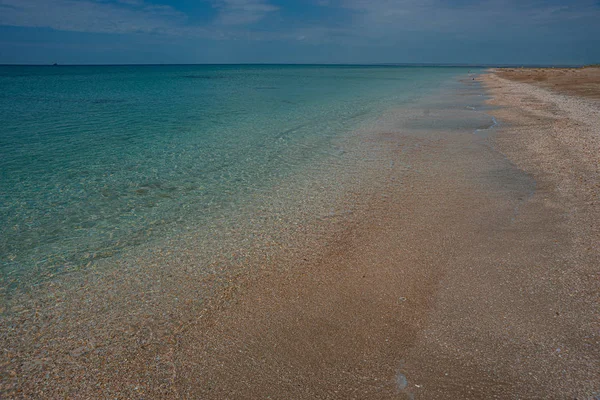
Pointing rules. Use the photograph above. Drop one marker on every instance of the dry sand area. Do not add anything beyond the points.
(476, 276)
(574, 81)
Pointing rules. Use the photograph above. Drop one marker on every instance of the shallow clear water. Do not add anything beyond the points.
(98, 160)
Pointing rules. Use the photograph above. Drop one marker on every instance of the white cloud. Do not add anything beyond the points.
(349, 22)
(242, 12)
(391, 20)
(131, 16)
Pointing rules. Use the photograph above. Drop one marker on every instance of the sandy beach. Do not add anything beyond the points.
(481, 282)
(583, 82)
(473, 275)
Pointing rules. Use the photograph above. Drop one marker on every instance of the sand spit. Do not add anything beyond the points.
(472, 274)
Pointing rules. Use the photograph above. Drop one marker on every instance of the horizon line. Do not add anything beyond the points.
(457, 65)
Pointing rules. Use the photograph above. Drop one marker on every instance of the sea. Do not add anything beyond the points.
(105, 163)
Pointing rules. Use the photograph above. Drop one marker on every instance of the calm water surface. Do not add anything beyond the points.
(98, 160)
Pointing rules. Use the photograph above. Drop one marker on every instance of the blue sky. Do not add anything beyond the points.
(299, 31)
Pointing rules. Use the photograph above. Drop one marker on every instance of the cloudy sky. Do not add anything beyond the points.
(300, 31)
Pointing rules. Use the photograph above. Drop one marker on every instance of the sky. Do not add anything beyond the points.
(299, 31)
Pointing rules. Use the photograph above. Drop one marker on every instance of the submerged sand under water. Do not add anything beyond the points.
(452, 263)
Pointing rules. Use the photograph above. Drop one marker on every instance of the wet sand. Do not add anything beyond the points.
(480, 281)
(474, 274)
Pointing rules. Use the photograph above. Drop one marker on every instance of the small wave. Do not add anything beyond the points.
(492, 126)
(206, 77)
(107, 101)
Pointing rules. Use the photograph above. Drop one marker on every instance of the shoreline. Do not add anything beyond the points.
(437, 289)
(131, 308)
(444, 293)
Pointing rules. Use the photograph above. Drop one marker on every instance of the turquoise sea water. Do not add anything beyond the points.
(95, 161)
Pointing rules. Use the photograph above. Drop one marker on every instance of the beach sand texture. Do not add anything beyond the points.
(575, 81)
(479, 282)
(475, 275)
